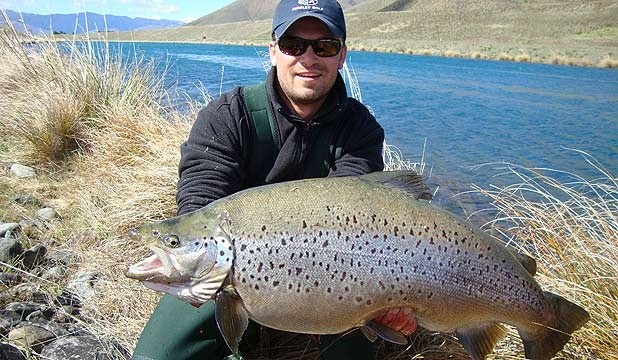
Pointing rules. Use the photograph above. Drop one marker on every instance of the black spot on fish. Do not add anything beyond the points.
(221, 253)
(298, 271)
(359, 299)
(304, 224)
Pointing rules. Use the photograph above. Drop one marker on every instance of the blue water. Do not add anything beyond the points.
(470, 112)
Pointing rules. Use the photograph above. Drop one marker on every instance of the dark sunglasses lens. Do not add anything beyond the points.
(326, 47)
(292, 46)
(297, 46)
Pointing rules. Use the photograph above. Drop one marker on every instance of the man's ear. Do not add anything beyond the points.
(342, 56)
(272, 53)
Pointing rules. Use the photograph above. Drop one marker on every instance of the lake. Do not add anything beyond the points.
(469, 112)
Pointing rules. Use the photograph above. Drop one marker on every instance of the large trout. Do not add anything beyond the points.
(323, 256)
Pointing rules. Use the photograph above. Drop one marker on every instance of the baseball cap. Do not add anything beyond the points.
(328, 11)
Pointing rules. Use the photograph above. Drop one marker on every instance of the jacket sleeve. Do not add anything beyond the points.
(211, 159)
(362, 145)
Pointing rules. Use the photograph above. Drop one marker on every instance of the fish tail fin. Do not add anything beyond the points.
(570, 317)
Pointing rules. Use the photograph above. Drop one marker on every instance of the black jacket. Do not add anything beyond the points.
(212, 164)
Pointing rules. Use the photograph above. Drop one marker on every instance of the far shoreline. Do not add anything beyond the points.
(522, 57)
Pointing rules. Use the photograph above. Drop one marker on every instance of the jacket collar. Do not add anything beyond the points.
(334, 105)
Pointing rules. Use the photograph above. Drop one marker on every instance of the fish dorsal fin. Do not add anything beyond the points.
(480, 341)
(526, 261)
(373, 328)
(406, 180)
(232, 317)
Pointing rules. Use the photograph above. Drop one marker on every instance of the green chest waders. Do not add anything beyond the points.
(179, 331)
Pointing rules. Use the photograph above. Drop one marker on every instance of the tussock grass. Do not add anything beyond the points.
(110, 164)
(569, 224)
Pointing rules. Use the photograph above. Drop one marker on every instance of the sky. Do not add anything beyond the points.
(182, 10)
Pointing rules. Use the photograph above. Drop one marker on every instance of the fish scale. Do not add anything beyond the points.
(323, 256)
(353, 249)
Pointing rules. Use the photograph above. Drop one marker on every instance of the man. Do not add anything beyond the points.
(307, 103)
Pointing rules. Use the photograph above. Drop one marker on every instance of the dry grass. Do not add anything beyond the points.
(569, 223)
(110, 164)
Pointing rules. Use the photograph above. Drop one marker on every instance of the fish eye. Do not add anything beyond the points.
(171, 241)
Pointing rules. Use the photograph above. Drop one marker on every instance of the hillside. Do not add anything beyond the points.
(250, 10)
(82, 22)
(551, 31)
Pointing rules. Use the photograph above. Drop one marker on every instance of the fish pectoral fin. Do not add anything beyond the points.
(232, 317)
(384, 332)
(369, 334)
(480, 341)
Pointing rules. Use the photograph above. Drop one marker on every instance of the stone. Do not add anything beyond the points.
(62, 257)
(9, 279)
(10, 249)
(8, 227)
(30, 337)
(26, 200)
(83, 284)
(54, 272)
(10, 352)
(34, 256)
(47, 214)
(82, 348)
(8, 319)
(22, 171)
(23, 309)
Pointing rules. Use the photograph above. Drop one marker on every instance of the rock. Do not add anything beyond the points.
(8, 227)
(31, 227)
(30, 337)
(54, 272)
(10, 352)
(26, 200)
(22, 171)
(82, 348)
(34, 256)
(23, 309)
(8, 319)
(9, 279)
(46, 214)
(10, 249)
(83, 284)
(68, 298)
(62, 257)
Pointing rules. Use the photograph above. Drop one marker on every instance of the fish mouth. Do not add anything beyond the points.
(156, 266)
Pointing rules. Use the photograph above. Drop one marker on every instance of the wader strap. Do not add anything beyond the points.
(265, 144)
(264, 147)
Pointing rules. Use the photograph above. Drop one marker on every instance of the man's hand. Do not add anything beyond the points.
(399, 319)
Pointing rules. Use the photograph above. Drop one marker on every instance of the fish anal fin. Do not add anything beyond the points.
(480, 341)
(232, 317)
(571, 317)
(369, 334)
(405, 180)
(385, 333)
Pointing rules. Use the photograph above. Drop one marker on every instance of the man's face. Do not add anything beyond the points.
(307, 78)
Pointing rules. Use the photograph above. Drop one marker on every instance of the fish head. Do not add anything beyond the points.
(192, 256)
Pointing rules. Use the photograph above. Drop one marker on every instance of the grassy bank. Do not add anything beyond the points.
(567, 32)
(106, 149)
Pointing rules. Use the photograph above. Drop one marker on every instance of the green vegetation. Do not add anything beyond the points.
(109, 159)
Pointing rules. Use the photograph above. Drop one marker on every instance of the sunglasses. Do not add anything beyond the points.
(295, 46)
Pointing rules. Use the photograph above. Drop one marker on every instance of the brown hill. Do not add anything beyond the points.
(553, 31)
(250, 10)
